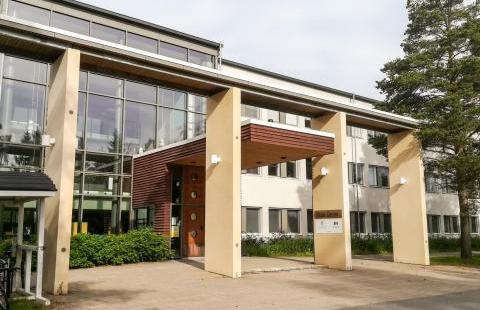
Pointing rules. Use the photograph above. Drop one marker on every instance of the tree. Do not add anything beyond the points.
(437, 81)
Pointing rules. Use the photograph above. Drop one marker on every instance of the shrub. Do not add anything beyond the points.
(371, 244)
(136, 246)
(281, 245)
(452, 244)
(5, 247)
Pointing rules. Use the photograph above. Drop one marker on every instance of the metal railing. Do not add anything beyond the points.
(6, 282)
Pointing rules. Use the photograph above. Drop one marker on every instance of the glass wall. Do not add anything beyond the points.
(118, 118)
(103, 32)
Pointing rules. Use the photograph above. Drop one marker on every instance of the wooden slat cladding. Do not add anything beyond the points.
(151, 181)
(288, 138)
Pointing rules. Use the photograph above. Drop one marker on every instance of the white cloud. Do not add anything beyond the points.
(341, 44)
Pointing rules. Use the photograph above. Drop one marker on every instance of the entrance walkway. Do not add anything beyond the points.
(180, 285)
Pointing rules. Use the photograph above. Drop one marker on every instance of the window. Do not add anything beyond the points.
(22, 102)
(144, 217)
(274, 170)
(308, 168)
(355, 173)
(474, 221)
(450, 224)
(139, 92)
(249, 111)
(275, 220)
(251, 171)
(308, 122)
(142, 43)
(291, 169)
(200, 58)
(357, 222)
(28, 12)
(381, 223)
(310, 221)
(378, 176)
(291, 119)
(433, 224)
(139, 128)
(252, 217)
(70, 23)
(107, 33)
(355, 132)
(438, 183)
(293, 221)
(273, 116)
(173, 51)
(171, 127)
(172, 99)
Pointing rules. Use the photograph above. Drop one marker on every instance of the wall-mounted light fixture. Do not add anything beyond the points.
(403, 181)
(47, 141)
(215, 159)
(324, 171)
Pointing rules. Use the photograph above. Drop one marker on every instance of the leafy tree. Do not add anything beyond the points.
(438, 82)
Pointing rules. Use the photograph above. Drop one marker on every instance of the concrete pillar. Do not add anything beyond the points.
(222, 186)
(407, 201)
(330, 193)
(59, 166)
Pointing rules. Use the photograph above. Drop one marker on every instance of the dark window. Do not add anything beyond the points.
(474, 221)
(378, 176)
(251, 171)
(200, 58)
(381, 222)
(450, 224)
(274, 170)
(433, 224)
(144, 217)
(107, 33)
(28, 12)
(252, 224)
(293, 221)
(357, 222)
(15, 156)
(275, 220)
(291, 169)
(70, 23)
(308, 167)
(103, 163)
(308, 122)
(142, 43)
(173, 51)
(310, 221)
(355, 173)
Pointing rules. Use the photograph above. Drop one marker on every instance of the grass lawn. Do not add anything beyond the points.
(456, 261)
(26, 305)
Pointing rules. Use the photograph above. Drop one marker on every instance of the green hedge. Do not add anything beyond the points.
(136, 246)
(5, 246)
(277, 246)
(284, 245)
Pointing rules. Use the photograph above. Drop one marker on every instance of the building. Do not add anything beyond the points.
(137, 124)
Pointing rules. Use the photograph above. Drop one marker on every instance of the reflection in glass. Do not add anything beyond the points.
(77, 183)
(174, 51)
(102, 163)
(106, 33)
(70, 23)
(140, 92)
(127, 165)
(171, 127)
(19, 156)
(82, 85)
(28, 12)
(101, 185)
(141, 42)
(21, 112)
(172, 98)
(99, 214)
(200, 58)
(195, 124)
(139, 128)
(127, 186)
(25, 70)
(78, 161)
(104, 124)
(197, 104)
(105, 85)
(81, 120)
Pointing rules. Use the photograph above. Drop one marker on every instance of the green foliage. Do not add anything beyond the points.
(372, 244)
(26, 305)
(136, 246)
(281, 245)
(456, 261)
(5, 247)
(437, 81)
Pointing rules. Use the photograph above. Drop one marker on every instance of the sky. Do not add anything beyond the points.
(341, 44)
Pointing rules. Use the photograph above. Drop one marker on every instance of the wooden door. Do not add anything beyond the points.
(193, 231)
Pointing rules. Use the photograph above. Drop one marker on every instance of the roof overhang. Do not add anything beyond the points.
(101, 55)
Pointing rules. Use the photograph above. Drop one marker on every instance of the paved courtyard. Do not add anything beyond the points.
(184, 285)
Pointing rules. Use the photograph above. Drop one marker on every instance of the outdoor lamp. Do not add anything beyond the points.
(324, 171)
(215, 159)
(403, 181)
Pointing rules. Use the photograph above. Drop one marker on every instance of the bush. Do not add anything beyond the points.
(136, 246)
(281, 245)
(371, 244)
(446, 244)
(5, 247)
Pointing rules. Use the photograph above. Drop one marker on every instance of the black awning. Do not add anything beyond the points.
(26, 182)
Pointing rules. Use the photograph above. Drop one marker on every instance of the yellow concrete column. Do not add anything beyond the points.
(59, 165)
(330, 193)
(407, 200)
(222, 188)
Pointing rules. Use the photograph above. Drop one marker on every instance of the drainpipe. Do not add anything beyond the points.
(355, 184)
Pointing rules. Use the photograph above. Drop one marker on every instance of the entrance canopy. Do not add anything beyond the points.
(263, 143)
(25, 185)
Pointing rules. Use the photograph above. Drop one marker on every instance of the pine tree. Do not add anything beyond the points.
(438, 82)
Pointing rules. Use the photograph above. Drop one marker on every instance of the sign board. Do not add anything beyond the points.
(327, 214)
(329, 226)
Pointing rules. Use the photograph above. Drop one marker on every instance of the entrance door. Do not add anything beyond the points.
(193, 231)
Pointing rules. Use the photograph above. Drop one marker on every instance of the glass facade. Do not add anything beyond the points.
(119, 118)
(103, 32)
